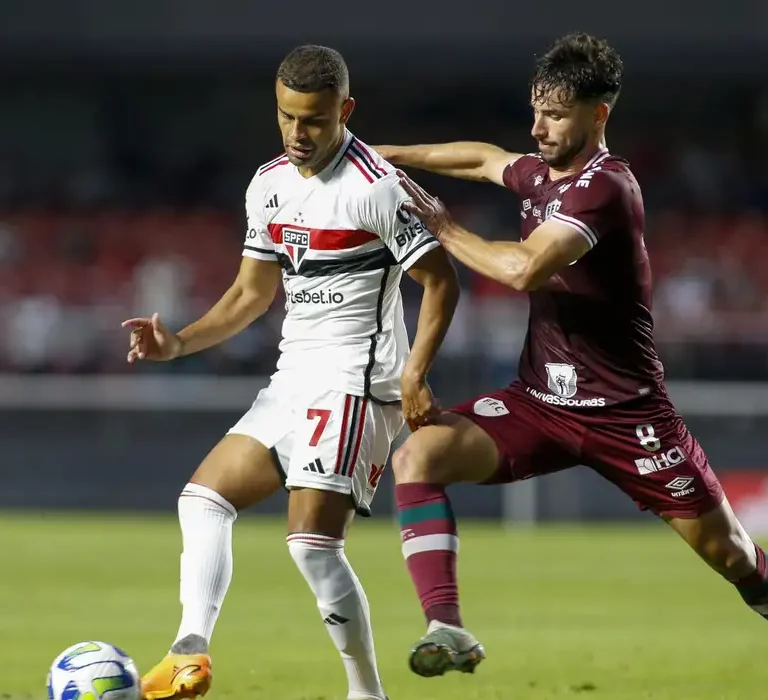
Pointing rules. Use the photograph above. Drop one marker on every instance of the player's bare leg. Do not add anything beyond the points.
(720, 540)
(451, 451)
(317, 528)
(237, 473)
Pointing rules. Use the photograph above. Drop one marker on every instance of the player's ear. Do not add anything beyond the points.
(602, 111)
(347, 107)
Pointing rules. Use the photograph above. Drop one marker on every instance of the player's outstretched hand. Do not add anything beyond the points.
(151, 340)
(419, 405)
(428, 208)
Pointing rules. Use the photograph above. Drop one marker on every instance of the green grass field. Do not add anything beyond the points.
(610, 613)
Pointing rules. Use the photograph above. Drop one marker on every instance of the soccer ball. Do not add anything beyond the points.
(93, 671)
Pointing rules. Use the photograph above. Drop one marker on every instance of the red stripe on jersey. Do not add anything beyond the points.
(355, 454)
(274, 160)
(326, 238)
(272, 166)
(362, 170)
(340, 451)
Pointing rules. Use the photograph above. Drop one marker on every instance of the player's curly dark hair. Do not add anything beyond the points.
(582, 67)
(313, 68)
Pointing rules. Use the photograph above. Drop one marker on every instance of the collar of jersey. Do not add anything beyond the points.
(328, 169)
(599, 157)
(602, 154)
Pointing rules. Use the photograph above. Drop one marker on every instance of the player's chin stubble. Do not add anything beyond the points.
(563, 158)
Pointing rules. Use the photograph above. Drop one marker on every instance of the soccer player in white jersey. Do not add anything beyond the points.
(327, 219)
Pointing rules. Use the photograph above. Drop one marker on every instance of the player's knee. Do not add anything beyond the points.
(326, 513)
(320, 559)
(413, 461)
(196, 499)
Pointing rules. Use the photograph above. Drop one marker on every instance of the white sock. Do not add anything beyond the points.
(206, 561)
(343, 607)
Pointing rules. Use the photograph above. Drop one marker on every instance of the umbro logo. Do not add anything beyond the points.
(315, 467)
(334, 619)
(272, 203)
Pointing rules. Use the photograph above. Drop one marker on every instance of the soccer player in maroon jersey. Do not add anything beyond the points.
(591, 387)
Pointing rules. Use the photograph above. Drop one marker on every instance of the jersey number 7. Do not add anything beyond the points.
(324, 416)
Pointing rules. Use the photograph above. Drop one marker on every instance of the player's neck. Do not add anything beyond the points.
(579, 162)
(323, 164)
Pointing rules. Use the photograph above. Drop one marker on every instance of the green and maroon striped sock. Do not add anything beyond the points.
(430, 547)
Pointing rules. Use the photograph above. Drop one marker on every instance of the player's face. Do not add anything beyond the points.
(312, 124)
(563, 128)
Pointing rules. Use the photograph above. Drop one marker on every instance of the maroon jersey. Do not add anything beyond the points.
(590, 332)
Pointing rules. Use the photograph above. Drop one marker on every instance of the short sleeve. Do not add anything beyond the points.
(517, 173)
(381, 212)
(592, 204)
(258, 242)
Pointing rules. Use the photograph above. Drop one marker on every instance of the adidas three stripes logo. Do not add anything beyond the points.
(315, 467)
(334, 619)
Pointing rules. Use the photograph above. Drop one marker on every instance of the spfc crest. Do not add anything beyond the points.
(296, 245)
(561, 379)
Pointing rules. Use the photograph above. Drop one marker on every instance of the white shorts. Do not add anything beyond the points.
(325, 440)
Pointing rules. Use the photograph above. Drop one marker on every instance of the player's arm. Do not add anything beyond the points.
(253, 290)
(468, 160)
(419, 253)
(248, 298)
(437, 275)
(523, 266)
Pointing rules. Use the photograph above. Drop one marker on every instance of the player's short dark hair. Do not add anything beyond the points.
(582, 67)
(313, 68)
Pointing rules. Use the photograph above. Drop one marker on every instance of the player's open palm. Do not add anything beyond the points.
(429, 209)
(418, 403)
(151, 340)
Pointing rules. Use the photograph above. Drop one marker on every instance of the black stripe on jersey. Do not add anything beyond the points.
(375, 260)
(381, 402)
(372, 352)
(263, 251)
(374, 335)
(355, 150)
(429, 239)
(341, 159)
(353, 427)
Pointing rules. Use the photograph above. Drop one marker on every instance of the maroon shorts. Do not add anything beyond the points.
(643, 447)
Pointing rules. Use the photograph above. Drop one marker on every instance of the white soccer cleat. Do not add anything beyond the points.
(445, 648)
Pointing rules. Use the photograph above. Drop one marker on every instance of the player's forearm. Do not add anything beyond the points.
(461, 159)
(233, 313)
(507, 262)
(438, 305)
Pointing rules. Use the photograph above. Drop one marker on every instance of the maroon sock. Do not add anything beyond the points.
(430, 545)
(754, 588)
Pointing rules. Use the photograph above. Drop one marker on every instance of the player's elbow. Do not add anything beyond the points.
(258, 302)
(251, 302)
(520, 277)
(449, 286)
(519, 281)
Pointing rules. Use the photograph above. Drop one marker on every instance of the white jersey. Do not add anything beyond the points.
(342, 239)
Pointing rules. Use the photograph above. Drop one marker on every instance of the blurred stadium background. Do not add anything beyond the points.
(128, 135)
(127, 140)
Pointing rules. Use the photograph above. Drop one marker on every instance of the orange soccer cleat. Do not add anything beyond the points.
(178, 676)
